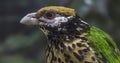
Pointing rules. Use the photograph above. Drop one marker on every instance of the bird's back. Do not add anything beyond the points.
(106, 49)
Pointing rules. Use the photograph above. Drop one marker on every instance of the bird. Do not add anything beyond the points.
(70, 39)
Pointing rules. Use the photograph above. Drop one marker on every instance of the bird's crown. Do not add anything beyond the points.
(58, 9)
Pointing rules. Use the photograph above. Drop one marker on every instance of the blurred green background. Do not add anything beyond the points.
(27, 44)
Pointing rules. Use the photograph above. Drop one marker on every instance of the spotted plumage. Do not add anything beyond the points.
(70, 39)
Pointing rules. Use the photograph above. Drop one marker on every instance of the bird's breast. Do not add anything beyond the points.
(77, 51)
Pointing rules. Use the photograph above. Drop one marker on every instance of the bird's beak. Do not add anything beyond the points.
(29, 19)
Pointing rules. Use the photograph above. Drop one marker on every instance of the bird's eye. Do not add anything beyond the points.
(50, 15)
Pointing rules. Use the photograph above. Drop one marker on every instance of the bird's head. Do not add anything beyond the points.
(55, 19)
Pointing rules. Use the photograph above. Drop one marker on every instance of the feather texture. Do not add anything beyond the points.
(104, 46)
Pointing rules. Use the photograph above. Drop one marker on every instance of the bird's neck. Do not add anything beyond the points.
(70, 46)
(70, 49)
(56, 39)
(75, 28)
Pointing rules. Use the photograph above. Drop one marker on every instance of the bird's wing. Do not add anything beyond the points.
(104, 46)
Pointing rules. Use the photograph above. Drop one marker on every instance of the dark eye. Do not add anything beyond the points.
(50, 15)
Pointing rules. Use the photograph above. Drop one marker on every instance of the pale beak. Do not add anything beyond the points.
(29, 19)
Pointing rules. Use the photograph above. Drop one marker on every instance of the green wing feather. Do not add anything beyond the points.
(106, 49)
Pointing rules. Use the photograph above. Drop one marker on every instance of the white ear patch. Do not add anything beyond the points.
(56, 21)
(61, 19)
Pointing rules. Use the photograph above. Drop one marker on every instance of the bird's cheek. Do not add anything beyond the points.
(61, 19)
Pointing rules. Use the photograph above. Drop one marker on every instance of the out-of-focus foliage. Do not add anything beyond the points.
(26, 44)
